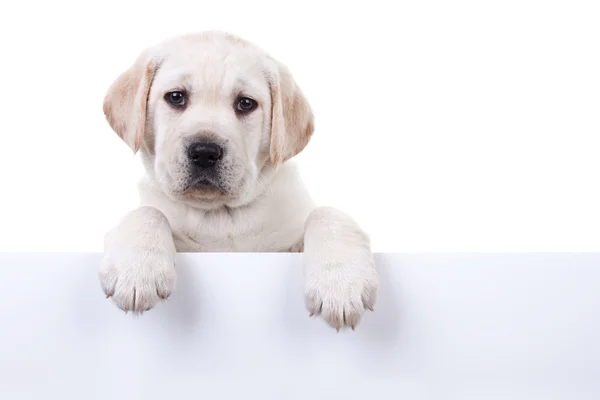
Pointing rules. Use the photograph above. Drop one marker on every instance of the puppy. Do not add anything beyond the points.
(216, 121)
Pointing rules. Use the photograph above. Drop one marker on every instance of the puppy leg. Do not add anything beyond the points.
(341, 280)
(138, 267)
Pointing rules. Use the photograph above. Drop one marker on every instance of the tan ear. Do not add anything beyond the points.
(126, 99)
(292, 120)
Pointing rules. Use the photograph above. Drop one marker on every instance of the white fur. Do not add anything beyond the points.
(262, 206)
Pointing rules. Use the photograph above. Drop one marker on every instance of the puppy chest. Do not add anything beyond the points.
(224, 242)
(206, 237)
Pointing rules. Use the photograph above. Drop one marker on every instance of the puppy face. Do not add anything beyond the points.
(210, 113)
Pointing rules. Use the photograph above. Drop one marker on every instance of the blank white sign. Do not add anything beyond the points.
(446, 326)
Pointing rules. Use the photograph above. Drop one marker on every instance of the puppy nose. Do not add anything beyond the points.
(204, 154)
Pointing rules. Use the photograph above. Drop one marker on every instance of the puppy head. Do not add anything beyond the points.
(210, 113)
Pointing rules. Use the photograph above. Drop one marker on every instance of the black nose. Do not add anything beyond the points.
(204, 154)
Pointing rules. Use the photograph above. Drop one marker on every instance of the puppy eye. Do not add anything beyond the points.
(245, 105)
(176, 99)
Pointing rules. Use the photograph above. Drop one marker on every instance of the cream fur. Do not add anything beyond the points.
(260, 205)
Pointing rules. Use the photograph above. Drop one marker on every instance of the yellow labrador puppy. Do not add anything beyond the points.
(217, 120)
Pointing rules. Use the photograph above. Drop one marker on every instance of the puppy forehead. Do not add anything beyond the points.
(211, 63)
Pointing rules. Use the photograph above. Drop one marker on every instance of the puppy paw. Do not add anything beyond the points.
(138, 267)
(138, 281)
(340, 294)
(341, 278)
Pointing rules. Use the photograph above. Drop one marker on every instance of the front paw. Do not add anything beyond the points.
(341, 293)
(137, 280)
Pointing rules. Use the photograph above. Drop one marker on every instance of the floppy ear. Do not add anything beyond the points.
(292, 121)
(126, 99)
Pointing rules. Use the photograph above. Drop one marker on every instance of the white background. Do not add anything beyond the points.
(462, 125)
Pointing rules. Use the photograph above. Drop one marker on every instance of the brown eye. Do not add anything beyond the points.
(176, 99)
(246, 105)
